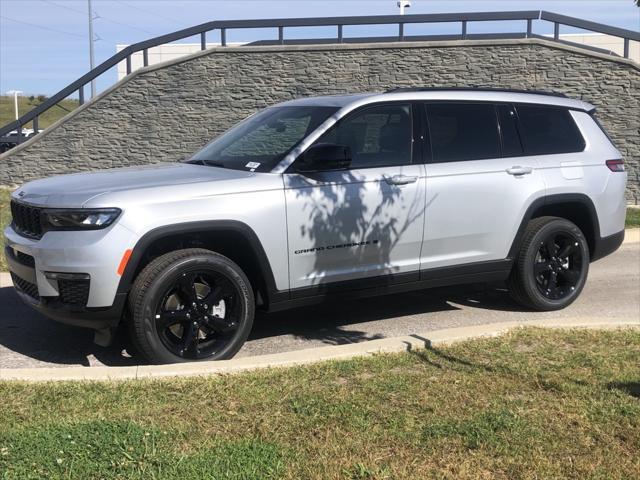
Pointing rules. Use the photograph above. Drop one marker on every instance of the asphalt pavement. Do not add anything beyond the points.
(28, 339)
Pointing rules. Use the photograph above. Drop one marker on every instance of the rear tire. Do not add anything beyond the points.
(552, 265)
(190, 305)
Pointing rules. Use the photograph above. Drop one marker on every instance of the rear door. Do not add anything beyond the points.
(478, 187)
(365, 222)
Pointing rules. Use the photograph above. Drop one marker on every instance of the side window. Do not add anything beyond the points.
(378, 136)
(548, 130)
(463, 131)
(511, 144)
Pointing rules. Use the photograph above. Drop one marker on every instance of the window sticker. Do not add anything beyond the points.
(252, 165)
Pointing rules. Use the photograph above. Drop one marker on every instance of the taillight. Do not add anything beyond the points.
(615, 165)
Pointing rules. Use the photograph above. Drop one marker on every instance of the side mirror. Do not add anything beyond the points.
(323, 157)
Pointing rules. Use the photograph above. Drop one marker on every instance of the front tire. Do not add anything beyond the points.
(552, 265)
(189, 305)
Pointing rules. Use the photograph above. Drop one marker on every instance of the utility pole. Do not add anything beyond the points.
(403, 4)
(15, 94)
(91, 54)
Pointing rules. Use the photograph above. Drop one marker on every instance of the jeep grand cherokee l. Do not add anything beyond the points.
(341, 196)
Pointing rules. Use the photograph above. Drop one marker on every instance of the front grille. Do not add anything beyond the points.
(26, 219)
(26, 287)
(74, 292)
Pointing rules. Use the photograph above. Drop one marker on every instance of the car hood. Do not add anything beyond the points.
(76, 190)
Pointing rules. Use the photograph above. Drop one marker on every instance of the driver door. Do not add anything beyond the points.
(365, 222)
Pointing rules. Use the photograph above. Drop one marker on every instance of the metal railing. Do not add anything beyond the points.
(223, 26)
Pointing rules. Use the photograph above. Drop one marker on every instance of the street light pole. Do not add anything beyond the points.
(91, 54)
(15, 94)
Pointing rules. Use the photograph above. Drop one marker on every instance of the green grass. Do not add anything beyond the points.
(633, 218)
(7, 113)
(533, 404)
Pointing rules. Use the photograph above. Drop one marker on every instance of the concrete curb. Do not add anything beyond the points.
(303, 357)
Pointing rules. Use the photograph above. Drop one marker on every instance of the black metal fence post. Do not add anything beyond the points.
(145, 57)
(464, 29)
(626, 48)
(203, 41)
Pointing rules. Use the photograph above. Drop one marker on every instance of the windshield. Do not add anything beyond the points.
(262, 140)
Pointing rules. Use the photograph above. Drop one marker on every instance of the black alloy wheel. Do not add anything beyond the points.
(559, 265)
(198, 314)
(190, 305)
(551, 267)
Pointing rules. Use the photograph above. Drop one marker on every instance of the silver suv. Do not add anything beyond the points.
(344, 196)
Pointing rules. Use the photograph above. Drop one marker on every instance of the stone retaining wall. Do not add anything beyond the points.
(167, 111)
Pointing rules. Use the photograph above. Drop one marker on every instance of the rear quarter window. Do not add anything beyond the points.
(548, 130)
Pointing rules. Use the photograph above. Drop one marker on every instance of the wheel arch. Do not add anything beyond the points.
(575, 207)
(233, 239)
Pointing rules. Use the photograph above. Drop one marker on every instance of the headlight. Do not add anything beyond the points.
(89, 219)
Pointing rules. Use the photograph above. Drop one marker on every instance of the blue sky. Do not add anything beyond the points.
(44, 43)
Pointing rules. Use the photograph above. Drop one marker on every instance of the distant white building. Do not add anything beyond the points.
(604, 42)
(172, 51)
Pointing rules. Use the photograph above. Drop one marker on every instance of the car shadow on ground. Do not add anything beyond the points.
(25, 333)
(29, 334)
(326, 321)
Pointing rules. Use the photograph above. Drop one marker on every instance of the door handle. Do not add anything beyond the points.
(400, 180)
(517, 170)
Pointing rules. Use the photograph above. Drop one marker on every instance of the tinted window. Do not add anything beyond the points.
(262, 140)
(462, 131)
(547, 130)
(511, 146)
(378, 136)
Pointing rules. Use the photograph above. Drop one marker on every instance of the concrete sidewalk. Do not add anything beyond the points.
(302, 357)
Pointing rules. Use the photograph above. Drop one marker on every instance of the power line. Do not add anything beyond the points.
(169, 19)
(64, 6)
(42, 27)
(98, 16)
(107, 19)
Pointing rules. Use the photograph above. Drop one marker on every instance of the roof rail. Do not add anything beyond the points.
(474, 89)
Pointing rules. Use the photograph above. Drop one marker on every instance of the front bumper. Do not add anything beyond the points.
(59, 308)
(92, 302)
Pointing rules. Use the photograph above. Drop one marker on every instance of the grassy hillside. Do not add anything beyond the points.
(29, 102)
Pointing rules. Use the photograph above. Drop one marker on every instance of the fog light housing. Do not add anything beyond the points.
(66, 276)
